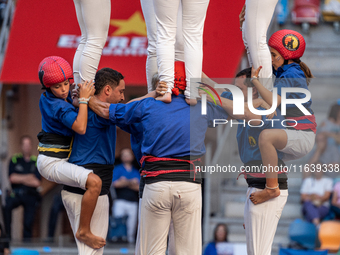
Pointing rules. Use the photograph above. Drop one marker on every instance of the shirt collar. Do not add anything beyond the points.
(284, 68)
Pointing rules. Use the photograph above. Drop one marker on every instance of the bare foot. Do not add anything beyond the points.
(90, 239)
(264, 195)
(166, 98)
(191, 101)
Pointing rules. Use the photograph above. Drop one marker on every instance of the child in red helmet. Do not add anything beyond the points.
(60, 119)
(286, 47)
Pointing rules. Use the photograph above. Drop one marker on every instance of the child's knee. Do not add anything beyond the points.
(265, 138)
(93, 182)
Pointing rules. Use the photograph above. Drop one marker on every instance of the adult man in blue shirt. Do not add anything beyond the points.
(260, 219)
(173, 142)
(96, 151)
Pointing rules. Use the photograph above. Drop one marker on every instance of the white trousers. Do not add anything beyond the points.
(99, 221)
(94, 19)
(171, 242)
(193, 17)
(254, 32)
(59, 170)
(299, 144)
(162, 202)
(123, 207)
(151, 27)
(261, 222)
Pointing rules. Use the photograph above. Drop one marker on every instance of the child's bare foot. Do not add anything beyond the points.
(90, 239)
(166, 98)
(191, 101)
(264, 195)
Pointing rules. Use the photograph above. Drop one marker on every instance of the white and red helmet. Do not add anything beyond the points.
(53, 70)
(289, 43)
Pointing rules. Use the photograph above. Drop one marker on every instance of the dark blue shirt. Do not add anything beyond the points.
(120, 171)
(291, 76)
(169, 130)
(136, 138)
(248, 137)
(57, 115)
(97, 145)
(210, 249)
(227, 95)
(126, 193)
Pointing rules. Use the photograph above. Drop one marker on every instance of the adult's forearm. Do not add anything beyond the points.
(265, 93)
(227, 105)
(99, 107)
(134, 186)
(210, 82)
(29, 180)
(326, 196)
(17, 178)
(151, 94)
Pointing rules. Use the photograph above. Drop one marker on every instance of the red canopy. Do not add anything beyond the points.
(45, 28)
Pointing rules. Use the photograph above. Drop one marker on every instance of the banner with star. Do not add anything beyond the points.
(45, 28)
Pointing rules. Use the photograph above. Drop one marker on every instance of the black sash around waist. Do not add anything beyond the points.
(53, 145)
(103, 171)
(260, 183)
(167, 166)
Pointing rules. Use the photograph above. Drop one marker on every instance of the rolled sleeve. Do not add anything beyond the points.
(69, 117)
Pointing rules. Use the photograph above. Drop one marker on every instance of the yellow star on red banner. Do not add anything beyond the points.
(133, 25)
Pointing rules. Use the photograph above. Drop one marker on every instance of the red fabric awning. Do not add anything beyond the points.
(45, 28)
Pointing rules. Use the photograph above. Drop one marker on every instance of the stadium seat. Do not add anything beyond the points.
(329, 235)
(303, 232)
(301, 252)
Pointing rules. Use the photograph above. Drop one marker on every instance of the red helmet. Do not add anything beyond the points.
(53, 70)
(179, 82)
(289, 43)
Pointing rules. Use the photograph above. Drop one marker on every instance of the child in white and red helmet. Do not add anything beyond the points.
(286, 47)
(60, 119)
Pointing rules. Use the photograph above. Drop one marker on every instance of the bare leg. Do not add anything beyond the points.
(270, 140)
(88, 204)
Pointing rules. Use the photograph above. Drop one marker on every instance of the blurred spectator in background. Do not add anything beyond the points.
(126, 183)
(328, 139)
(56, 208)
(220, 235)
(25, 179)
(335, 206)
(315, 194)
